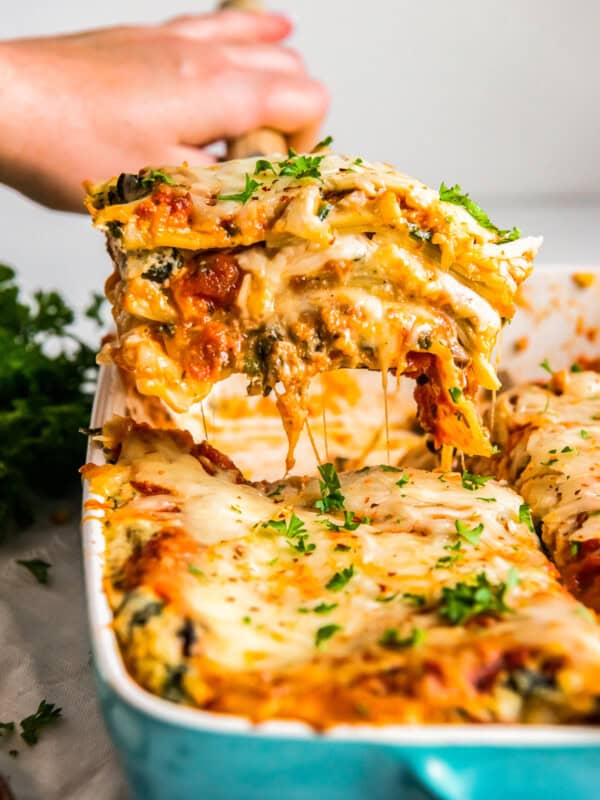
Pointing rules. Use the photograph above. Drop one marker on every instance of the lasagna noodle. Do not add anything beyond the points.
(550, 440)
(356, 266)
(248, 599)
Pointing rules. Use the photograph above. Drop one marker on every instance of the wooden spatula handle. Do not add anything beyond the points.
(261, 141)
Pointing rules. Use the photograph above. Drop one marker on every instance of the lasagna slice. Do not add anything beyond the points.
(284, 268)
(550, 440)
(384, 595)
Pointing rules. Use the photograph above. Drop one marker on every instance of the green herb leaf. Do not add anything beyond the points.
(382, 598)
(525, 516)
(262, 165)
(342, 548)
(584, 434)
(38, 568)
(403, 481)
(332, 498)
(454, 194)
(465, 601)
(456, 394)
(47, 714)
(455, 554)
(324, 210)
(391, 639)
(417, 600)
(197, 573)
(323, 143)
(157, 176)
(326, 632)
(546, 365)
(242, 197)
(324, 608)
(389, 468)
(576, 367)
(574, 548)
(300, 166)
(337, 582)
(472, 535)
(473, 482)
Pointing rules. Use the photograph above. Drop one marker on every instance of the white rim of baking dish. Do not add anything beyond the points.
(112, 669)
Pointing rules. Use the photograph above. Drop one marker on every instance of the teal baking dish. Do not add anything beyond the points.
(169, 752)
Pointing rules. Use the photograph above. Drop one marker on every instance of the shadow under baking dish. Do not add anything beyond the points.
(171, 752)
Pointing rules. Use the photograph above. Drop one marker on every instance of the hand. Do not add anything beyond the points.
(93, 104)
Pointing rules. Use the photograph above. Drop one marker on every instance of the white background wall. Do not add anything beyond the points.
(502, 96)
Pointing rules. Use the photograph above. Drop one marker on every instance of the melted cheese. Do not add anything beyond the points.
(552, 439)
(201, 544)
(389, 278)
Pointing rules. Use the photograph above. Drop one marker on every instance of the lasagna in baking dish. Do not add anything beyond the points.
(550, 438)
(285, 267)
(382, 595)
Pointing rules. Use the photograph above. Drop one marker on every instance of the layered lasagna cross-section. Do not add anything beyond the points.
(550, 439)
(383, 595)
(285, 267)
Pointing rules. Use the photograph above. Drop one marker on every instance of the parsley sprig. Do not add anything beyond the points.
(455, 194)
(46, 392)
(242, 197)
(470, 535)
(293, 529)
(340, 579)
(391, 639)
(332, 498)
(46, 714)
(473, 482)
(465, 601)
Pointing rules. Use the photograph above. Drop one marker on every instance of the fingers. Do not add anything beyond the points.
(268, 57)
(239, 101)
(232, 26)
(194, 156)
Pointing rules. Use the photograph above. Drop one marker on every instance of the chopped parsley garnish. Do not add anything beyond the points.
(549, 462)
(324, 608)
(337, 582)
(421, 236)
(262, 165)
(389, 468)
(324, 210)
(351, 522)
(403, 481)
(47, 714)
(454, 554)
(417, 600)
(391, 639)
(246, 620)
(295, 532)
(584, 434)
(38, 568)
(473, 482)
(236, 509)
(300, 166)
(465, 601)
(567, 449)
(472, 535)
(456, 394)
(386, 598)
(277, 491)
(487, 499)
(545, 364)
(454, 194)
(576, 367)
(326, 632)
(332, 498)
(197, 573)
(242, 197)
(574, 548)
(525, 516)
(342, 548)
(323, 143)
(156, 175)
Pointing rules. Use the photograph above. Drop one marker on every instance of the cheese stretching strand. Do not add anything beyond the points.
(550, 440)
(285, 268)
(384, 595)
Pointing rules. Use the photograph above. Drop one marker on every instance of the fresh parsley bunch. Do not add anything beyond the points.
(47, 379)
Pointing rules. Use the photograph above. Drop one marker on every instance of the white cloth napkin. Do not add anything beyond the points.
(45, 655)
